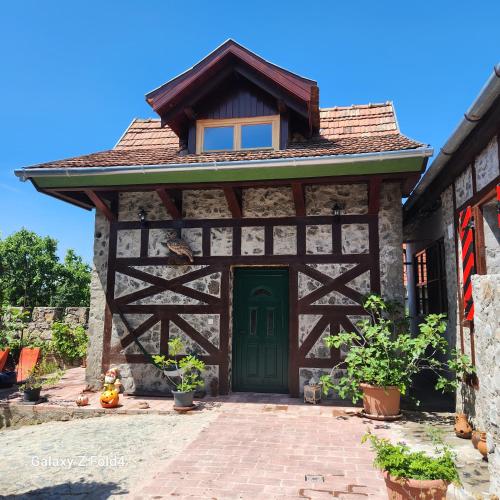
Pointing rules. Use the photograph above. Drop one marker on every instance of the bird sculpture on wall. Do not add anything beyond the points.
(178, 245)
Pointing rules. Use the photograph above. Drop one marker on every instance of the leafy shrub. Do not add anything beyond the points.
(382, 355)
(187, 369)
(400, 462)
(12, 334)
(70, 342)
(44, 374)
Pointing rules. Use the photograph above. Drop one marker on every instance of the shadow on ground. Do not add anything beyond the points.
(81, 489)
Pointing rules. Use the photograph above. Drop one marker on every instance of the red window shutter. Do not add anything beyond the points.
(498, 204)
(468, 259)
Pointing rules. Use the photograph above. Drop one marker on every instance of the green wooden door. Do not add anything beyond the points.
(260, 330)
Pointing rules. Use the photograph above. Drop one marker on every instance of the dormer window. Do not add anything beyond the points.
(237, 134)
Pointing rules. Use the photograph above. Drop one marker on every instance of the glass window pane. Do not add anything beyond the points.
(218, 138)
(257, 136)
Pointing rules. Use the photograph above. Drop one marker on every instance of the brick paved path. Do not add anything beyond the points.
(264, 451)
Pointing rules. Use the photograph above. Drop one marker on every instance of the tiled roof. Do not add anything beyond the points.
(367, 128)
(147, 134)
(360, 120)
(346, 121)
(164, 155)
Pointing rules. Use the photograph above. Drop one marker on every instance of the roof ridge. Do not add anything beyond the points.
(357, 106)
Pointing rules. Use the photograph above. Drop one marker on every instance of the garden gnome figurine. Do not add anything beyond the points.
(110, 395)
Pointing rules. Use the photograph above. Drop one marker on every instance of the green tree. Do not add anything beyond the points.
(74, 285)
(32, 275)
(29, 269)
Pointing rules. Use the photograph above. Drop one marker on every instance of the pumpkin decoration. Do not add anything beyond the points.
(111, 392)
(82, 400)
(109, 398)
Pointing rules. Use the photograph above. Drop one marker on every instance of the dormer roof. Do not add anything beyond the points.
(173, 100)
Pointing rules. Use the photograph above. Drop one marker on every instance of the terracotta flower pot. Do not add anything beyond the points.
(381, 402)
(476, 437)
(409, 489)
(482, 447)
(462, 427)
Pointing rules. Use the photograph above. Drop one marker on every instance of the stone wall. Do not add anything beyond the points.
(41, 320)
(256, 202)
(486, 293)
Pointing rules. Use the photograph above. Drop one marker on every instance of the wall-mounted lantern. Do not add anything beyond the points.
(142, 217)
(337, 209)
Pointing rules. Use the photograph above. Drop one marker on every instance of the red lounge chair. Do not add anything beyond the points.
(3, 358)
(27, 361)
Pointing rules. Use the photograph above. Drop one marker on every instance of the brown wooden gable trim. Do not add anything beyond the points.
(100, 205)
(374, 195)
(296, 85)
(233, 198)
(299, 199)
(172, 203)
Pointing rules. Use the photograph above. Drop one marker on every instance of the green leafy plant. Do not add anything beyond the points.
(185, 372)
(44, 374)
(12, 323)
(70, 342)
(13, 332)
(400, 462)
(383, 354)
(31, 273)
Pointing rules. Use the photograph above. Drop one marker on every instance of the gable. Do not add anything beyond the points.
(174, 101)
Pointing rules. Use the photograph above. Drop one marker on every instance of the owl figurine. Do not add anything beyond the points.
(178, 246)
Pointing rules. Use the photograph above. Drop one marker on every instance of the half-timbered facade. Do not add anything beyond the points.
(292, 212)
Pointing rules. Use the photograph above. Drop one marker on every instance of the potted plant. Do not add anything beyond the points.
(410, 475)
(382, 359)
(44, 374)
(183, 372)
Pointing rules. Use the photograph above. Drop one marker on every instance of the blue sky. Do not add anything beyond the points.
(74, 75)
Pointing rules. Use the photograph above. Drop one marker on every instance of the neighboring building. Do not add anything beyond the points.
(293, 213)
(451, 225)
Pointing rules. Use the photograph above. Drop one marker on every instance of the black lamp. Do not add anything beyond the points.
(337, 209)
(142, 216)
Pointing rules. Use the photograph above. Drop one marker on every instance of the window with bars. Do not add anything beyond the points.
(430, 279)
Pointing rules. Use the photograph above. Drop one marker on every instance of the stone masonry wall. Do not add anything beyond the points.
(257, 202)
(42, 318)
(486, 293)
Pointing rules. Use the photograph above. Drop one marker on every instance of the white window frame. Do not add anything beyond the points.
(237, 123)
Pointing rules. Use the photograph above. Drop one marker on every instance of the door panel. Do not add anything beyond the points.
(260, 330)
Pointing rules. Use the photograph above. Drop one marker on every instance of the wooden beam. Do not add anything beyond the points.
(374, 195)
(233, 198)
(173, 208)
(299, 199)
(100, 205)
(190, 113)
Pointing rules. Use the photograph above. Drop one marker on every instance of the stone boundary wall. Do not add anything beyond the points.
(42, 318)
(486, 293)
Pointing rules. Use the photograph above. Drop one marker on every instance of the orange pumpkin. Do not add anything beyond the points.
(109, 398)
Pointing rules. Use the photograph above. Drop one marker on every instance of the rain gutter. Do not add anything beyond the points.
(27, 173)
(487, 96)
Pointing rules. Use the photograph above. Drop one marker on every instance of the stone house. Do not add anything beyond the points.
(452, 235)
(292, 212)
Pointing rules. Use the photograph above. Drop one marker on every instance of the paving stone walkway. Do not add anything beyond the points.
(95, 458)
(270, 451)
